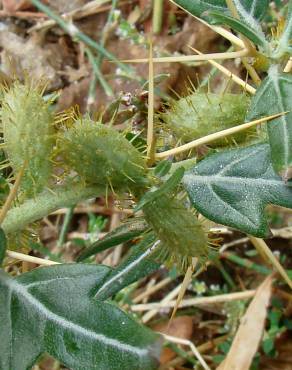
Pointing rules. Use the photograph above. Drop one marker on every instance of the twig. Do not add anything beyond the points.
(32, 259)
(261, 246)
(217, 135)
(195, 301)
(192, 58)
(187, 342)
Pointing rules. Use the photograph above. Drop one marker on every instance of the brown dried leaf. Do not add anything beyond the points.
(15, 5)
(181, 327)
(250, 331)
(22, 57)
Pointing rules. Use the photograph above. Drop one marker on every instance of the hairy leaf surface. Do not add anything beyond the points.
(125, 232)
(284, 44)
(136, 266)
(52, 310)
(275, 96)
(234, 187)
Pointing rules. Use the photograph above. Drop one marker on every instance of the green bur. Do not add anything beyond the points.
(28, 135)
(199, 115)
(180, 232)
(101, 155)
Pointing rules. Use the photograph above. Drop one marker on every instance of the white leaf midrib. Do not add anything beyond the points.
(21, 290)
(191, 179)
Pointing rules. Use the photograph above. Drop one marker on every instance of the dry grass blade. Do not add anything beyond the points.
(150, 128)
(32, 259)
(229, 74)
(192, 58)
(184, 286)
(249, 334)
(192, 347)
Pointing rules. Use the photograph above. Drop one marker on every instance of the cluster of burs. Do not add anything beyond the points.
(82, 150)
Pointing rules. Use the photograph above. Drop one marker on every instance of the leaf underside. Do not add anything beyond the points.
(52, 310)
(275, 96)
(234, 187)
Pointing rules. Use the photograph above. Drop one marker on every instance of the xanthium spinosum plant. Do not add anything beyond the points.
(65, 310)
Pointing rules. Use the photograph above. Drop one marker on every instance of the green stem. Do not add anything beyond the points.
(98, 74)
(246, 263)
(45, 203)
(74, 32)
(65, 226)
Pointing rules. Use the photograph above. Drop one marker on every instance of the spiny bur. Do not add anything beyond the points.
(181, 234)
(28, 133)
(201, 114)
(101, 155)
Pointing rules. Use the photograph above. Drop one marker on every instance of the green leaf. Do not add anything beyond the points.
(3, 245)
(136, 266)
(126, 232)
(234, 187)
(275, 96)
(169, 185)
(52, 310)
(255, 35)
(284, 44)
(197, 7)
(251, 11)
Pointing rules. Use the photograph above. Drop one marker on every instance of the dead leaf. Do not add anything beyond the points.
(11, 6)
(21, 57)
(181, 327)
(250, 331)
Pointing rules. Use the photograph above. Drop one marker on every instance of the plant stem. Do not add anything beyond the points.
(68, 216)
(193, 58)
(45, 203)
(12, 195)
(74, 32)
(157, 15)
(99, 76)
(216, 135)
(244, 262)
